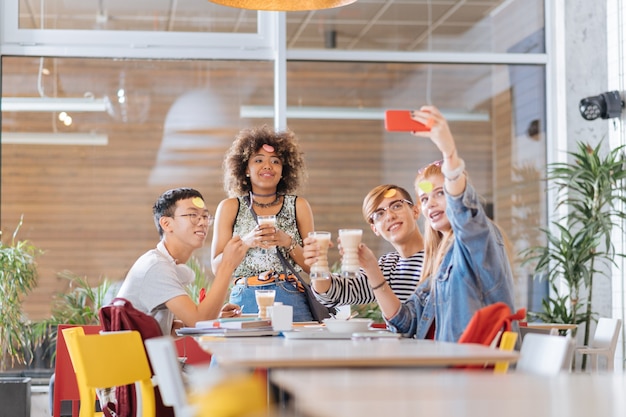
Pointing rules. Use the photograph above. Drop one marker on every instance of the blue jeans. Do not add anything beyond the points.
(242, 294)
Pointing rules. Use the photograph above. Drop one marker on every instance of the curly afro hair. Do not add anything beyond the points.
(247, 143)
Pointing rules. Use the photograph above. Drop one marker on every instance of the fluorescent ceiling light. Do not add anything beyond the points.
(23, 138)
(54, 104)
(348, 113)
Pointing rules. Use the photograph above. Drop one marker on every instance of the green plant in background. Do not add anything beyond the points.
(579, 246)
(369, 311)
(18, 277)
(200, 281)
(558, 309)
(79, 304)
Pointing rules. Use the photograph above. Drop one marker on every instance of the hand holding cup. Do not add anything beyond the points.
(320, 269)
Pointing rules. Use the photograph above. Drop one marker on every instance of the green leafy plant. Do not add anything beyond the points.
(369, 311)
(18, 277)
(200, 279)
(579, 245)
(79, 304)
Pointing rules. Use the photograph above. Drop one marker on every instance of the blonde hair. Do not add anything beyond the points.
(377, 194)
(437, 244)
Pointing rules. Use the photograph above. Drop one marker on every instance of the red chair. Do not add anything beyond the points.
(488, 323)
(65, 388)
(188, 348)
(487, 326)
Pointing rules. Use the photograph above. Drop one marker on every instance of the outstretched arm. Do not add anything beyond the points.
(453, 167)
(186, 310)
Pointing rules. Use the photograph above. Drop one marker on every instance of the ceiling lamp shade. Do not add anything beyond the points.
(284, 5)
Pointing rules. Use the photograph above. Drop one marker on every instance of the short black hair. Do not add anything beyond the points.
(164, 206)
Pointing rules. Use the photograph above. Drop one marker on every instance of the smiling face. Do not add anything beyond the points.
(265, 169)
(432, 199)
(188, 212)
(394, 218)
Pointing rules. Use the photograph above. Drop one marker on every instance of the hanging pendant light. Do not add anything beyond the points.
(284, 5)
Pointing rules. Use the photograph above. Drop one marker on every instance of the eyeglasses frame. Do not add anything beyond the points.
(384, 210)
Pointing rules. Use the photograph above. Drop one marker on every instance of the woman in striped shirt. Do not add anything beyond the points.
(391, 214)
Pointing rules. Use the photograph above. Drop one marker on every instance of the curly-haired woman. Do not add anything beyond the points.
(262, 170)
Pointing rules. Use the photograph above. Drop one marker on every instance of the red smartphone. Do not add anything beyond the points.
(400, 121)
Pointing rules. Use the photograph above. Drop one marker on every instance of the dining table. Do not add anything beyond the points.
(398, 392)
(551, 326)
(280, 352)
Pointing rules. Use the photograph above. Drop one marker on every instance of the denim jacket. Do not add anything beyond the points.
(473, 274)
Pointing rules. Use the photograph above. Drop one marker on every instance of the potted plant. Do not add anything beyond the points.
(81, 302)
(579, 245)
(18, 277)
(79, 305)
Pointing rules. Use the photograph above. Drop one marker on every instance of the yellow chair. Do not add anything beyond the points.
(107, 360)
(507, 342)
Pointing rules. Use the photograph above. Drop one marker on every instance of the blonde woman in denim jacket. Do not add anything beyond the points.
(467, 266)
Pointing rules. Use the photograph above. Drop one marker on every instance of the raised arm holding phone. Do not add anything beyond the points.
(467, 265)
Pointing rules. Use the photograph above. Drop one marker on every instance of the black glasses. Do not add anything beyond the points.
(435, 163)
(194, 218)
(394, 206)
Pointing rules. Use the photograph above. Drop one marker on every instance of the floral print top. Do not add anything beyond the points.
(259, 260)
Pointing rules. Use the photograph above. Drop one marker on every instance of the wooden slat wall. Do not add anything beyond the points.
(89, 208)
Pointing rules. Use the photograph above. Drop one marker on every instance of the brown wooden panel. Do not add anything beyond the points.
(89, 208)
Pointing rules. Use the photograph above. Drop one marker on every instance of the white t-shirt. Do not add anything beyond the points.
(154, 279)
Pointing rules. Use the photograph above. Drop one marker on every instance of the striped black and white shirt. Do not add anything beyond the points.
(402, 275)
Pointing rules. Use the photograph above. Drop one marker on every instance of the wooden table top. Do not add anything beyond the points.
(277, 352)
(444, 393)
(558, 326)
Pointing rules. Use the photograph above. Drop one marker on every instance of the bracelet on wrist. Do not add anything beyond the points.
(379, 285)
(454, 174)
(292, 246)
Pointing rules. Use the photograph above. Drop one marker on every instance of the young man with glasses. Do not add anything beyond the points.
(391, 214)
(156, 282)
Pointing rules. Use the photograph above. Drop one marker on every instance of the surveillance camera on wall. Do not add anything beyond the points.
(606, 105)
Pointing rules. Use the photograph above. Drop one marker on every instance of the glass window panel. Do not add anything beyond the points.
(89, 206)
(145, 15)
(170, 123)
(439, 26)
(496, 113)
(387, 25)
